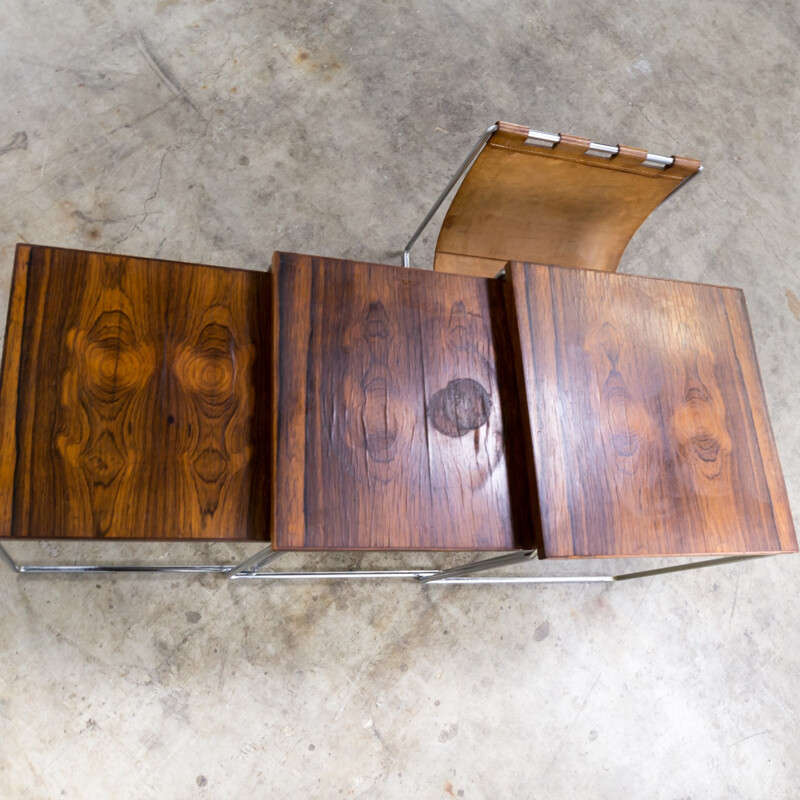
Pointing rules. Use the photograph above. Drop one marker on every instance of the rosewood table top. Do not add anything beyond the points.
(134, 400)
(646, 416)
(397, 422)
(341, 405)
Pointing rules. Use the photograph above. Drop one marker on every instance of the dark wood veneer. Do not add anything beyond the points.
(134, 399)
(647, 418)
(395, 393)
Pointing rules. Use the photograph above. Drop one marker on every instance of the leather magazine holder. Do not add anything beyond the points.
(524, 200)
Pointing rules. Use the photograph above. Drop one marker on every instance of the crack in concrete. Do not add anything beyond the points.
(161, 70)
(145, 211)
(19, 142)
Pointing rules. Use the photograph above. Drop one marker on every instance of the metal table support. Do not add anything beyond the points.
(250, 569)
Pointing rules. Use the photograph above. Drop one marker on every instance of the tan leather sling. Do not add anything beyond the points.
(552, 200)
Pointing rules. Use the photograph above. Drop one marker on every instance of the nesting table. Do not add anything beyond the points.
(338, 405)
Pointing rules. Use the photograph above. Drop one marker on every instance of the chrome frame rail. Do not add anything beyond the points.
(464, 573)
(625, 576)
(474, 153)
(478, 566)
(66, 569)
(414, 574)
(255, 562)
(535, 139)
(249, 569)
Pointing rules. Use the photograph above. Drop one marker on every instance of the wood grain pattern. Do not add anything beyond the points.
(134, 399)
(648, 422)
(550, 205)
(397, 421)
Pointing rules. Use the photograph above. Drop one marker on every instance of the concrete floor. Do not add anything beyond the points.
(219, 131)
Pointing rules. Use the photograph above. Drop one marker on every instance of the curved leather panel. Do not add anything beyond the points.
(550, 205)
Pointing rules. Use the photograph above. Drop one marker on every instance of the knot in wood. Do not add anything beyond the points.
(462, 406)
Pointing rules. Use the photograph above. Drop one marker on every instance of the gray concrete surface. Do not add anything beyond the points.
(219, 131)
